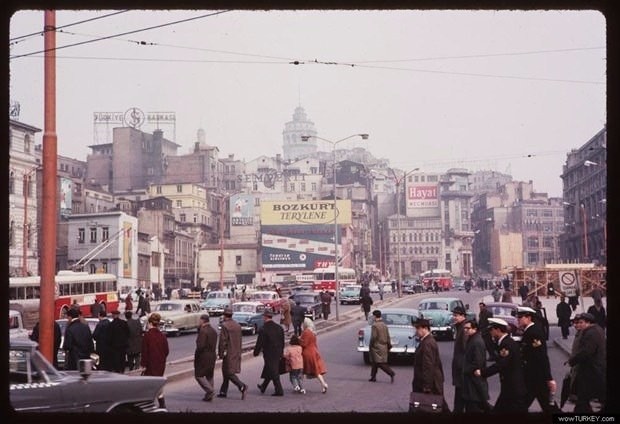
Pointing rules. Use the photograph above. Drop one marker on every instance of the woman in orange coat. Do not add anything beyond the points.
(314, 367)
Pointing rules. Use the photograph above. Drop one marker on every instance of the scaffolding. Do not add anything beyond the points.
(537, 279)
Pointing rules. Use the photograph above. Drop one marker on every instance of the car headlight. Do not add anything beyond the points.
(169, 322)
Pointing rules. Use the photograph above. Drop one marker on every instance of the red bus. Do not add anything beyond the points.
(324, 278)
(81, 287)
(442, 276)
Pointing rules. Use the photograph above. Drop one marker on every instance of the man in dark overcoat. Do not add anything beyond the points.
(298, 313)
(427, 368)
(271, 342)
(512, 384)
(118, 332)
(563, 312)
(326, 300)
(78, 341)
(536, 367)
(101, 335)
(475, 390)
(589, 362)
(458, 353)
(229, 350)
(205, 356)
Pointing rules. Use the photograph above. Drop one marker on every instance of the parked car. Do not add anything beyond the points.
(439, 311)
(271, 300)
(35, 385)
(216, 301)
(177, 316)
(402, 333)
(249, 315)
(311, 302)
(350, 295)
(63, 323)
(507, 312)
(412, 286)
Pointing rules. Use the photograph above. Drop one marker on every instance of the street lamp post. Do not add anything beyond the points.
(221, 264)
(398, 233)
(334, 143)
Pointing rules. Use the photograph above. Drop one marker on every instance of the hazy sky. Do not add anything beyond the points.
(507, 90)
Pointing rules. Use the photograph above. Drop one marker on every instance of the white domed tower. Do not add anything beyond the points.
(293, 146)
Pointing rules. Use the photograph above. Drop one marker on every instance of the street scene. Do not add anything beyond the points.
(187, 237)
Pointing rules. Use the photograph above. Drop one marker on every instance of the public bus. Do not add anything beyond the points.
(442, 276)
(324, 278)
(70, 287)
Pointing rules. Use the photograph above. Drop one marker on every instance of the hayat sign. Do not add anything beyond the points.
(422, 196)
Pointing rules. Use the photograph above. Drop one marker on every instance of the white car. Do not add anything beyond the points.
(177, 316)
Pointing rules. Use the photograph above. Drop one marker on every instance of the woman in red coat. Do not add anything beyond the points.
(154, 351)
(314, 367)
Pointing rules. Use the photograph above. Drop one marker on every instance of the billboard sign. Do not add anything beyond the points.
(305, 212)
(65, 196)
(422, 196)
(296, 235)
(241, 209)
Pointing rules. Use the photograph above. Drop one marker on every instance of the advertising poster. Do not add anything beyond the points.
(299, 235)
(127, 249)
(241, 210)
(66, 186)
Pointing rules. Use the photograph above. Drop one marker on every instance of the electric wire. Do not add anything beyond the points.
(121, 34)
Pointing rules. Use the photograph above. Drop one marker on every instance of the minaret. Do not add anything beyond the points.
(293, 147)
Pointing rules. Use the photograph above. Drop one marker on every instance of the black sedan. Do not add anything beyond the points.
(311, 302)
(36, 386)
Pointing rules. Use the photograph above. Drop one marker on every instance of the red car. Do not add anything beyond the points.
(271, 300)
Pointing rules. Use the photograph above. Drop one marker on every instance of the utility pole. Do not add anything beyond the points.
(50, 157)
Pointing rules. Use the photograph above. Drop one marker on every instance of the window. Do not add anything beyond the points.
(531, 212)
(104, 266)
(93, 234)
(93, 268)
(547, 241)
(179, 188)
(81, 235)
(303, 187)
(155, 258)
(532, 242)
(158, 189)
(105, 233)
(27, 143)
(238, 260)
(195, 218)
(12, 183)
(179, 203)
(532, 258)
(547, 213)
(12, 234)
(292, 187)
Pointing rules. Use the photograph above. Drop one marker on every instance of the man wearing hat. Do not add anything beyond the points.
(78, 342)
(229, 350)
(205, 356)
(427, 368)
(536, 368)
(379, 347)
(271, 342)
(512, 385)
(589, 363)
(458, 354)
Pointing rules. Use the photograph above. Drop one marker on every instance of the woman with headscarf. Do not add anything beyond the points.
(314, 366)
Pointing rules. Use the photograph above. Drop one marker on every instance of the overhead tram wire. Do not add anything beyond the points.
(11, 41)
(121, 34)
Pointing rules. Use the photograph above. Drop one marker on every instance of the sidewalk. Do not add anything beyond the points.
(549, 305)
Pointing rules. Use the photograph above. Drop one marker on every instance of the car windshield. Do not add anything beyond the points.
(217, 295)
(168, 307)
(248, 308)
(398, 319)
(304, 298)
(425, 306)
